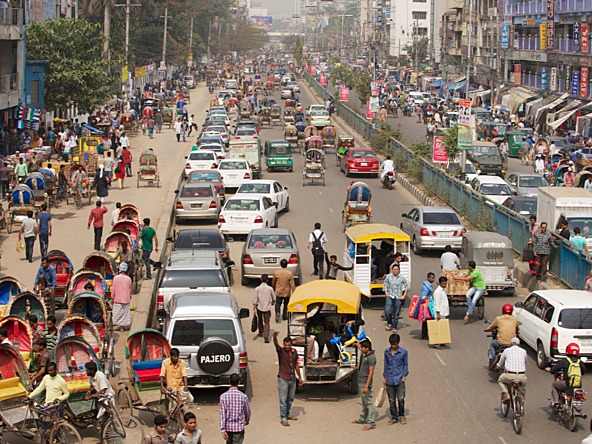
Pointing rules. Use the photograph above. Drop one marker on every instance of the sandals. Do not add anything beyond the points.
(388, 328)
(357, 421)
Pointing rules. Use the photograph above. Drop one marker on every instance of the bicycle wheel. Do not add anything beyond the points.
(505, 407)
(176, 422)
(121, 429)
(64, 433)
(518, 418)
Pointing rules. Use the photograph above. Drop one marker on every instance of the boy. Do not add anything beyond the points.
(333, 267)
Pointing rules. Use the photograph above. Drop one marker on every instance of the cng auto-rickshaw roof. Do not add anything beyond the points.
(488, 239)
(345, 296)
(364, 233)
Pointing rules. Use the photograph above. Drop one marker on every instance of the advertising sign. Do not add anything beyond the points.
(544, 79)
(543, 36)
(124, 74)
(375, 87)
(553, 79)
(567, 77)
(368, 111)
(575, 83)
(262, 22)
(506, 36)
(550, 24)
(584, 82)
(585, 48)
(344, 94)
(465, 138)
(439, 154)
(323, 79)
(517, 73)
(577, 36)
(139, 71)
(313, 70)
(464, 112)
(374, 104)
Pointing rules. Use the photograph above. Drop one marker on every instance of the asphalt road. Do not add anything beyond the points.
(451, 397)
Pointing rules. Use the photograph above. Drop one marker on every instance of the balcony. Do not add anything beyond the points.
(527, 43)
(524, 8)
(11, 19)
(9, 91)
(565, 45)
(572, 5)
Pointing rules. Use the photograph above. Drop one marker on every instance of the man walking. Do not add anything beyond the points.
(316, 243)
(542, 242)
(177, 127)
(396, 369)
(122, 296)
(395, 289)
(283, 285)
(441, 306)
(96, 218)
(149, 238)
(29, 232)
(288, 376)
(44, 229)
(235, 412)
(365, 375)
(263, 300)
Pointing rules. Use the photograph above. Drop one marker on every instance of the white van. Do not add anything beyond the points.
(418, 98)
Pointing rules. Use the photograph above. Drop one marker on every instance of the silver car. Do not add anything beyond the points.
(432, 228)
(197, 201)
(263, 251)
(527, 184)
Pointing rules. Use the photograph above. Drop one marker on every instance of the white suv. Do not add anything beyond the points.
(551, 319)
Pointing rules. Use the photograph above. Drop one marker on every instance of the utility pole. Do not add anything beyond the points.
(209, 38)
(469, 50)
(416, 49)
(127, 27)
(164, 40)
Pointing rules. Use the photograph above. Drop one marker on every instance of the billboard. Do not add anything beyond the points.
(314, 21)
(262, 22)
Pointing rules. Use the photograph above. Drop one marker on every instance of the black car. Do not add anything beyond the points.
(202, 239)
(523, 205)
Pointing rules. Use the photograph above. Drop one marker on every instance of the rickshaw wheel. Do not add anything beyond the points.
(78, 201)
(354, 388)
(89, 196)
(124, 402)
(157, 181)
(481, 308)
(64, 433)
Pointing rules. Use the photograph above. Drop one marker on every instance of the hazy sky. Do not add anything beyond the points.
(284, 7)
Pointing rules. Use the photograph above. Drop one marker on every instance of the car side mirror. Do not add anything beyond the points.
(244, 313)
(286, 188)
(169, 239)
(404, 215)
(176, 191)
(186, 157)
(230, 264)
(519, 305)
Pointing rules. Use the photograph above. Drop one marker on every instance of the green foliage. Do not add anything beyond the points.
(362, 85)
(422, 149)
(450, 141)
(484, 220)
(415, 169)
(381, 142)
(76, 74)
(421, 48)
(298, 50)
(243, 38)
(343, 75)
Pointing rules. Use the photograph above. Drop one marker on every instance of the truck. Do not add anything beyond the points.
(569, 204)
(249, 150)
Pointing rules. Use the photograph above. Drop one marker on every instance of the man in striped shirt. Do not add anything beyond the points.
(235, 412)
(50, 334)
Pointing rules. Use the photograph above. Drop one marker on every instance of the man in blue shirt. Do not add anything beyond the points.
(396, 369)
(46, 275)
(44, 229)
(395, 289)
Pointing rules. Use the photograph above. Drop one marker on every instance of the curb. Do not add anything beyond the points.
(527, 280)
(416, 192)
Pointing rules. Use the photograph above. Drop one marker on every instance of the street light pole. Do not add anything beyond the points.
(343, 16)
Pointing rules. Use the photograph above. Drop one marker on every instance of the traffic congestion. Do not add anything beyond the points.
(268, 247)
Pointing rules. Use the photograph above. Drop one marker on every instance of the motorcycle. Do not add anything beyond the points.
(569, 407)
(211, 88)
(407, 111)
(389, 179)
(498, 353)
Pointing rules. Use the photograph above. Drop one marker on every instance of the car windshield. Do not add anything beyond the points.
(246, 132)
(440, 219)
(193, 279)
(203, 241)
(218, 128)
(532, 181)
(575, 318)
(210, 139)
(270, 241)
(232, 166)
(362, 154)
(255, 188)
(583, 223)
(196, 192)
(495, 188)
(192, 332)
(242, 205)
(525, 206)
(485, 150)
(201, 155)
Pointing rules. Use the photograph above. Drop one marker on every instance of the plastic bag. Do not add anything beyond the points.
(380, 398)
(20, 246)
(254, 324)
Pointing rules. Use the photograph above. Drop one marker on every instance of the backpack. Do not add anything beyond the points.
(317, 246)
(574, 374)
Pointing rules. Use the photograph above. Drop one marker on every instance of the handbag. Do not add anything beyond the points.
(413, 307)
(117, 169)
(254, 323)
(380, 398)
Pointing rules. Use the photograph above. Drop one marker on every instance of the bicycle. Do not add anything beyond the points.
(44, 423)
(176, 414)
(516, 404)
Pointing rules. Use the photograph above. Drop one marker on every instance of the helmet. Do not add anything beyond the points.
(572, 349)
(507, 309)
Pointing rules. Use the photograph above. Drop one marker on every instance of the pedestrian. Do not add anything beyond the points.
(541, 246)
(62, 183)
(190, 433)
(29, 233)
(317, 241)
(177, 127)
(441, 306)
(534, 227)
(263, 301)
(150, 126)
(477, 289)
(288, 376)
(235, 412)
(283, 284)
(50, 334)
(127, 157)
(395, 289)
(120, 171)
(157, 120)
(149, 242)
(333, 267)
(396, 370)
(159, 435)
(365, 375)
(121, 294)
(115, 213)
(426, 295)
(44, 229)
(449, 260)
(578, 240)
(564, 230)
(21, 170)
(96, 218)
(184, 128)
(101, 183)
(5, 175)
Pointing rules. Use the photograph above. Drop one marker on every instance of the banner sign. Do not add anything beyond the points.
(323, 79)
(375, 87)
(465, 138)
(550, 24)
(575, 83)
(577, 35)
(464, 112)
(439, 154)
(139, 71)
(369, 115)
(544, 79)
(567, 77)
(553, 79)
(344, 94)
(517, 73)
(543, 36)
(585, 47)
(124, 74)
(506, 36)
(374, 104)
(584, 82)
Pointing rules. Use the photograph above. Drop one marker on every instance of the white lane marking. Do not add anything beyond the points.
(440, 359)
(503, 440)
(331, 210)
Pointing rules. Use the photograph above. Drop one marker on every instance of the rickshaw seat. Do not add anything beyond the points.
(147, 371)
(11, 388)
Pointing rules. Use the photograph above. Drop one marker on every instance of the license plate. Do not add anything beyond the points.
(444, 233)
(239, 219)
(198, 205)
(270, 260)
(364, 164)
(586, 342)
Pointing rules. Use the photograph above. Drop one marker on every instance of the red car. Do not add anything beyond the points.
(358, 160)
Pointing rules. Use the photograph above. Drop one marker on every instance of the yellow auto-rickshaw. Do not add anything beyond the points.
(318, 315)
(370, 249)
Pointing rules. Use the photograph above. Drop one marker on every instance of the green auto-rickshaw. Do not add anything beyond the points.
(278, 155)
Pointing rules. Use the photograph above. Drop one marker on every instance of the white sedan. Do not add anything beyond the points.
(268, 188)
(201, 160)
(235, 172)
(241, 214)
(216, 147)
(286, 93)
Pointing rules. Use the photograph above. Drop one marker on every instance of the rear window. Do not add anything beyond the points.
(526, 206)
(441, 219)
(232, 166)
(255, 188)
(270, 241)
(202, 177)
(575, 318)
(192, 332)
(485, 150)
(362, 154)
(193, 279)
(242, 205)
(495, 189)
(200, 155)
(199, 241)
(196, 192)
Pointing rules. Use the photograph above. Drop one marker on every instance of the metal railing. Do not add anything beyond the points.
(9, 83)
(11, 16)
(570, 265)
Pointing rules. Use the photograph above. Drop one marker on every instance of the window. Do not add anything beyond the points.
(193, 332)
(441, 219)
(419, 1)
(420, 15)
(34, 91)
(423, 31)
(540, 308)
(193, 279)
(530, 303)
(575, 318)
(200, 241)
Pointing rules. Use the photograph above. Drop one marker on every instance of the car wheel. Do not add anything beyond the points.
(541, 357)
(244, 281)
(416, 249)
(287, 207)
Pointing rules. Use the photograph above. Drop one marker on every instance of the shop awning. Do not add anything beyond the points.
(550, 105)
(453, 85)
(458, 85)
(436, 83)
(533, 105)
(565, 113)
(517, 97)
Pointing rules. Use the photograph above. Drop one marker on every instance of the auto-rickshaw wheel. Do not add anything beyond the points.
(354, 388)
(481, 308)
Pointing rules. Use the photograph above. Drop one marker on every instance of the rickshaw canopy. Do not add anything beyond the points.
(343, 295)
(366, 233)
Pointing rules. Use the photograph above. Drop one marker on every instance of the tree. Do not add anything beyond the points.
(76, 74)
(362, 84)
(243, 38)
(421, 48)
(450, 141)
(93, 7)
(343, 75)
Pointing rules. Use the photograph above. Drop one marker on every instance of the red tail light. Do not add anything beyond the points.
(247, 259)
(236, 137)
(258, 220)
(247, 176)
(179, 206)
(293, 259)
(243, 360)
(213, 204)
(214, 166)
(160, 302)
(424, 232)
(554, 338)
(187, 166)
(579, 394)
(221, 219)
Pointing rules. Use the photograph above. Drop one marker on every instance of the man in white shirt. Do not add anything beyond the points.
(177, 127)
(513, 362)
(441, 306)
(4, 337)
(99, 386)
(115, 213)
(124, 140)
(316, 243)
(387, 166)
(449, 260)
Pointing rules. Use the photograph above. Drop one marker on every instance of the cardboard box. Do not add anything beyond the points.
(439, 332)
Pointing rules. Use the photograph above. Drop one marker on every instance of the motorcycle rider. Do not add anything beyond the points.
(507, 328)
(387, 165)
(513, 363)
(561, 367)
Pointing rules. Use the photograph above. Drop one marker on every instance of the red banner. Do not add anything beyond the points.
(584, 31)
(439, 154)
(369, 111)
(313, 70)
(517, 73)
(344, 94)
(323, 79)
(584, 81)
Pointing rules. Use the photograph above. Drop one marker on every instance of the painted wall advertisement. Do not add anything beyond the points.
(544, 79)
(575, 83)
(517, 73)
(584, 82)
(344, 94)
(506, 36)
(439, 154)
(585, 48)
(543, 36)
(553, 82)
(550, 24)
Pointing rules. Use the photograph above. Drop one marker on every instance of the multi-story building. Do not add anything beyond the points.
(12, 57)
(451, 37)
(409, 21)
